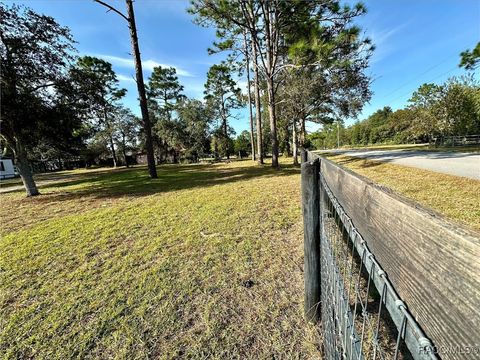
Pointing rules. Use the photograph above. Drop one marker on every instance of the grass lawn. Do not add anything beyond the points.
(414, 147)
(203, 262)
(455, 197)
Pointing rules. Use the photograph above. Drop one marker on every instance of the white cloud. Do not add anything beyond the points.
(381, 37)
(147, 64)
(194, 89)
(382, 42)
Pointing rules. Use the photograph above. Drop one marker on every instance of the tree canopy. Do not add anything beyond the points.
(222, 96)
(434, 111)
(470, 59)
(35, 54)
(296, 61)
(314, 39)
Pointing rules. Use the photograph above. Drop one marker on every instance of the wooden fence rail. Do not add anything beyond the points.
(433, 263)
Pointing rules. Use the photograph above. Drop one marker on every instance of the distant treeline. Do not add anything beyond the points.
(434, 111)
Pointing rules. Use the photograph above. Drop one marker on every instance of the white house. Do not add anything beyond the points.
(6, 169)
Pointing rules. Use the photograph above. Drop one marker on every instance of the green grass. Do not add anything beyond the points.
(203, 262)
(464, 149)
(388, 147)
(413, 147)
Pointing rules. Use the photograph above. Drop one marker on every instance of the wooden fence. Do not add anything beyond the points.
(432, 263)
(464, 140)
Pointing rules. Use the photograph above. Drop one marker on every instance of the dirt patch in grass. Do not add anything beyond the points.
(455, 197)
(204, 262)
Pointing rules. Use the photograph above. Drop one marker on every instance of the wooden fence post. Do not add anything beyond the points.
(311, 230)
(303, 156)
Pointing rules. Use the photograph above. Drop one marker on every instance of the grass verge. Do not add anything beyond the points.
(455, 197)
(414, 147)
(203, 262)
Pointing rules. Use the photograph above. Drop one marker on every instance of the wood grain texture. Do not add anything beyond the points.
(311, 226)
(303, 155)
(433, 263)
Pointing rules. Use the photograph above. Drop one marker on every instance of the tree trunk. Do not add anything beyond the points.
(215, 149)
(227, 150)
(302, 132)
(338, 134)
(165, 148)
(125, 158)
(124, 152)
(109, 127)
(225, 128)
(295, 144)
(269, 71)
(258, 110)
(24, 169)
(273, 121)
(114, 154)
(141, 91)
(288, 149)
(247, 60)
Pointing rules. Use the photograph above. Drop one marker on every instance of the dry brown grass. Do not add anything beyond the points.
(204, 262)
(455, 197)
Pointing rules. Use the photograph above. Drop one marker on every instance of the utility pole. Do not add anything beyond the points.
(338, 133)
(147, 126)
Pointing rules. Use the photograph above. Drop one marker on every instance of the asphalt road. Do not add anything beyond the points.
(453, 163)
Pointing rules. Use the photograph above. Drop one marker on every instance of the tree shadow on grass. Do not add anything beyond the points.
(135, 182)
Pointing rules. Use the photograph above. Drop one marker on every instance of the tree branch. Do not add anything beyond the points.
(40, 87)
(112, 9)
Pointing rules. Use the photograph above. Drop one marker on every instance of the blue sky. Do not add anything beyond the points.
(417, 41)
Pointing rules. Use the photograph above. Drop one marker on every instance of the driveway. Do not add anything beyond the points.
(452, 163)
(43, 179)
(12, 188)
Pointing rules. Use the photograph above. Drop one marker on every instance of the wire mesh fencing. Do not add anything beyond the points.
(464, 140)
(361, 314)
